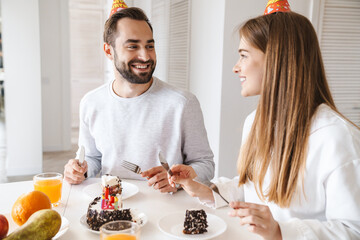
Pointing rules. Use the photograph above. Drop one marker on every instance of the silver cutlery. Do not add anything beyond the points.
(165, 165)
(131, 166)
(82, 158)
(81, 155)
(215, 189)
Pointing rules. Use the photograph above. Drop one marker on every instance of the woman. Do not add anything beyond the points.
(299, 166)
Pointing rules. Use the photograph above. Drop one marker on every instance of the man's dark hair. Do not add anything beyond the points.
(111, 24)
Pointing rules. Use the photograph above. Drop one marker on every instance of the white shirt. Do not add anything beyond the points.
(163, 118)
(330, 208)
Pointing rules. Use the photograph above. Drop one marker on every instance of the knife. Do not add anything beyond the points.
(165, 165)
(82, 158)
(81, 155)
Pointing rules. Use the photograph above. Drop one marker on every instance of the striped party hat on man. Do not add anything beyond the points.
(117, 6)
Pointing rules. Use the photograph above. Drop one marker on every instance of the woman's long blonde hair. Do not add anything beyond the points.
(294, 85)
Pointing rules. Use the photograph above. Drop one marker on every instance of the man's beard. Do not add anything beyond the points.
(129, 75)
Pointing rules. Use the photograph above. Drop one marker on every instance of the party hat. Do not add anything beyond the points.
(277, 6)
(117, 6)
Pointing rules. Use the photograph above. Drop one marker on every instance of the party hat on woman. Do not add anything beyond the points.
(117, 6)
(274, 6)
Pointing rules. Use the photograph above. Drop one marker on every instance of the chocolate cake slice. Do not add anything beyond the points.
(195, 222)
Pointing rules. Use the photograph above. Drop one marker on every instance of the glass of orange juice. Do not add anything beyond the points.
(120, 230)
(50, 184)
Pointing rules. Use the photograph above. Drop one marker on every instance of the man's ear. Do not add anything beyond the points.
(108, 49)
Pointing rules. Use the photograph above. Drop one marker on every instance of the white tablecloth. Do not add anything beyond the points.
(155, 205)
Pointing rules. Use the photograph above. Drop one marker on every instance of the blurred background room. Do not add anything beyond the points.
(51, 55)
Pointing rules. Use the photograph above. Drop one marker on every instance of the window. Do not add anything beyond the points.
(171, 22)
(339, 35)
(87, 20)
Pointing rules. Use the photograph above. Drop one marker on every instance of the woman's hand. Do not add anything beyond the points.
(183, 172)
(184, 175)
(258, 217)
(157, 178)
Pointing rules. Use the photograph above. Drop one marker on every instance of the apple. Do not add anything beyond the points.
(4, 226)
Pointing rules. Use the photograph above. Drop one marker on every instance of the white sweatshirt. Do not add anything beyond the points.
(166, 119)
(331, 208)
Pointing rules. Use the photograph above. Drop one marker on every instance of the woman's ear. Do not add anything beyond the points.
(108, 49)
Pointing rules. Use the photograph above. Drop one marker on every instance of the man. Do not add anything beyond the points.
(136, 116)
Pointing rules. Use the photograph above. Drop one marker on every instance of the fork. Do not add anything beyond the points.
(131, 166)
(215, 189)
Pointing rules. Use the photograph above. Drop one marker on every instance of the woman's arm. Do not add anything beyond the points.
(185, 175)
(228, 188)
(342, 209)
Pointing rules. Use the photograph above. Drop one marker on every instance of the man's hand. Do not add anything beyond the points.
(74, 173)
(158, 178)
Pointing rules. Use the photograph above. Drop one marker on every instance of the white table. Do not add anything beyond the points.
(153, 203)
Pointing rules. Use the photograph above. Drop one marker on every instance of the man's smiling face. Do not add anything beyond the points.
(134, 51)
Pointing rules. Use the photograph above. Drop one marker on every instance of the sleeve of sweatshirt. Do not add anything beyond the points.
(336, 149)
(195, 145)
(92, 154)
(342, 210)
(229, 189)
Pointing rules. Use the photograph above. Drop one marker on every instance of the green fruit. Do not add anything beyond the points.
(42, 225)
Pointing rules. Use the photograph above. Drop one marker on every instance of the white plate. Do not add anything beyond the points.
(64, 225)
(173, 225)
(135, 213)
(94, 190)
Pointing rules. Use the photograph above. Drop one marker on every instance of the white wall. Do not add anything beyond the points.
(55, 71)
(36, 57)
(21, 50)
(206, 56)
(145, 5)
(303, 7)
(234, 107)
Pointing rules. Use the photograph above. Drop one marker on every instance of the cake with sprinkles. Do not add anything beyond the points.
(96, 216)
(195, 222)
(109, 206)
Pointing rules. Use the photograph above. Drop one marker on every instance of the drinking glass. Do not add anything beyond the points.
(50, 184)
(120, 230)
